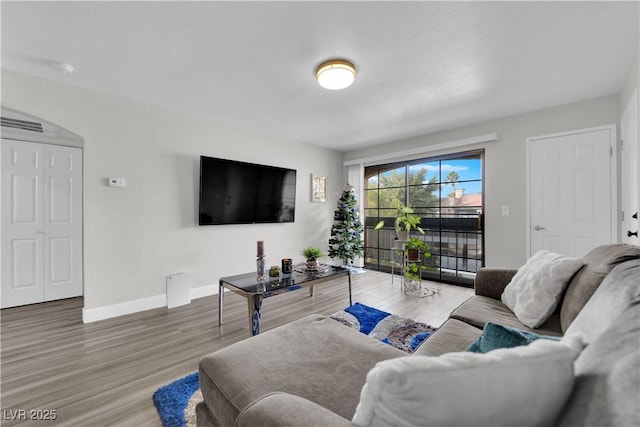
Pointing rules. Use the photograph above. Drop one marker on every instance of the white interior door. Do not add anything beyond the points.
(22, 224)
(572, 197)
(62, 222)
(629, 175)
(41, 223)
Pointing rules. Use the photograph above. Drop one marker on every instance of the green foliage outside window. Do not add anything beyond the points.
(389, 188)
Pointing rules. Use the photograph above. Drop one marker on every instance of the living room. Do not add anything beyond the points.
(137, 235)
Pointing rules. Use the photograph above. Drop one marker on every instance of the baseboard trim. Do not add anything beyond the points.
(130, 307)
(204, 291)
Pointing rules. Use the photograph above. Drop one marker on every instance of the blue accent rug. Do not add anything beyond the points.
(176, 402)
(400, 332)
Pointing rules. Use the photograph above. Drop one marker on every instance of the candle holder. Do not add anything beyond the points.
(287, 266)
(261, 266)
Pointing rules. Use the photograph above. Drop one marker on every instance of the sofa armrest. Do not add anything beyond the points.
(490, 282)
(287, 410)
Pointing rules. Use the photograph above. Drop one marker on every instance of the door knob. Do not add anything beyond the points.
(538, 228)
(629, 233)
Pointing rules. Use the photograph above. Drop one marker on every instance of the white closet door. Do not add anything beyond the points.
(41, 223)
(572, 191)
(22, 223)
(62, 222)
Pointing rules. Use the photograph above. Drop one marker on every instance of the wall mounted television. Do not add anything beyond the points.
(233, 192)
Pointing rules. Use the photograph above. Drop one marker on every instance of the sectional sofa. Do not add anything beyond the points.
(580, 365)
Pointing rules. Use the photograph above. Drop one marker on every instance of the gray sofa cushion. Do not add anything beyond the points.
(478, 310)
(453, 335)
(315, 358)
(490, 282)
(204, 417)
(607, 372)
(286, 410)
(598, 262)
(611, 298)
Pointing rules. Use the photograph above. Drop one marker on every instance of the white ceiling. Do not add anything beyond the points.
(422, 67)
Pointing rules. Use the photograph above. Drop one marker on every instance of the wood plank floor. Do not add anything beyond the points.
(104, 373)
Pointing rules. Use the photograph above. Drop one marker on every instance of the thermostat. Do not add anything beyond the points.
(117, 182)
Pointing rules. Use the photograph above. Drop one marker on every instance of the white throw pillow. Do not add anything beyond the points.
(520, 386)
(536, 289)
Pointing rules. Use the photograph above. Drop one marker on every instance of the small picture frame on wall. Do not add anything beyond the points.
(318, 189)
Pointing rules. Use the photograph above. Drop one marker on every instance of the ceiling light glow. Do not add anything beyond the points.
(336, 74)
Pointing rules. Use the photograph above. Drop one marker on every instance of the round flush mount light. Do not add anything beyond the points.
(335, 74)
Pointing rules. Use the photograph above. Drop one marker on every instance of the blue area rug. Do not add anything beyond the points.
(176, 402)
(400, 332)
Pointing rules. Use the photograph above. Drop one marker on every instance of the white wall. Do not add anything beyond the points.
(135, 236)
(505, 177)
(631, 84)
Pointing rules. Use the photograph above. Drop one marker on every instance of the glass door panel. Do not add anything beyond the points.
(448, 193)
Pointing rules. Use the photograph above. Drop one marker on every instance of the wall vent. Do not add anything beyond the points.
(21, 124)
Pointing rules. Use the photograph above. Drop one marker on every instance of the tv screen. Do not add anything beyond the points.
(233, 192)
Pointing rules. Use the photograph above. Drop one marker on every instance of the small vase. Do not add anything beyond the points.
(312, 264)
(261, 268)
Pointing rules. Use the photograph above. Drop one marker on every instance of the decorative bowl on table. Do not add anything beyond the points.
(319, 268)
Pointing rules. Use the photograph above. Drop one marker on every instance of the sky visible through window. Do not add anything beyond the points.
(469, 172)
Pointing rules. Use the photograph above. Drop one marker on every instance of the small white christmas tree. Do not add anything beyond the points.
(346, 232)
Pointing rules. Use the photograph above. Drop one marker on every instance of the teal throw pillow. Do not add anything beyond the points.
(496, 336)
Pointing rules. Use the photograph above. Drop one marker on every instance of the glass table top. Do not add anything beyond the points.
(249, 283)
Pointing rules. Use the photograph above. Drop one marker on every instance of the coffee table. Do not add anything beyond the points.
(254, 291)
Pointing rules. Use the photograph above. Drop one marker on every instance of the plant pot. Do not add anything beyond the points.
(413, 254)
(412, 285)
(312, 264)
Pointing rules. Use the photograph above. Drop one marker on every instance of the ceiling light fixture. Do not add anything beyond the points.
(336, 74)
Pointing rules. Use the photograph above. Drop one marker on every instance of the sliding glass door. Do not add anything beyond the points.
(447, 192)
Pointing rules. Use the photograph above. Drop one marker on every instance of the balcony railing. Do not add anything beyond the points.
(456, 245)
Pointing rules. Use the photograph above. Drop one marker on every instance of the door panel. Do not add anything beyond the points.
(25, 201)
(571, 196)
(63, 222)
(25, 254)
(61, 250)
(22, 224)
(41, 223)
(60, 202)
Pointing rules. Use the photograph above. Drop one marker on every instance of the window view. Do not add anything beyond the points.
(447, 193)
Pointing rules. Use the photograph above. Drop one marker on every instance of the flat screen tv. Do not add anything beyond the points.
(233, 192)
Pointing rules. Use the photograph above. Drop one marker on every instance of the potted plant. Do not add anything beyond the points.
(413, 268)
(405, 221)
(311, 255)
(413, 247)
(412, 276)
